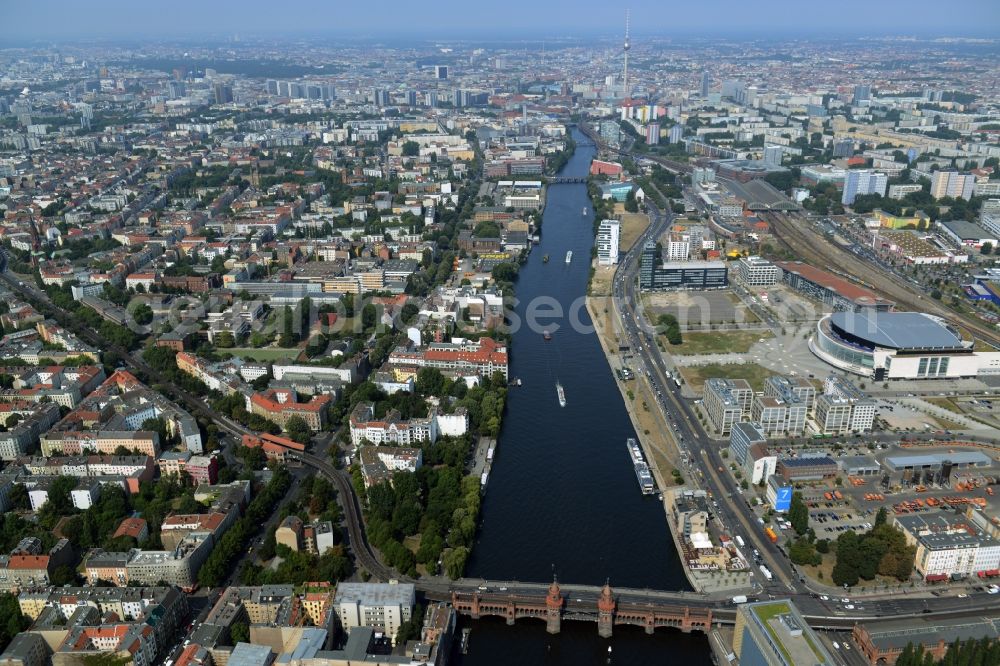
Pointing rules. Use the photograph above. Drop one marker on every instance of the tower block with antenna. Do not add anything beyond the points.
(625, 49)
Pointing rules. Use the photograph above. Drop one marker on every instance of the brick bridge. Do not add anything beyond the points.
(607, 611)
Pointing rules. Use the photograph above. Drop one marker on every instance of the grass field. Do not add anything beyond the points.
(696, 375)
(633, 224)
(717, 342)
(265, 353)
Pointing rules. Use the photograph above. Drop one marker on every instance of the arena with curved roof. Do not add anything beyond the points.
(898, 345)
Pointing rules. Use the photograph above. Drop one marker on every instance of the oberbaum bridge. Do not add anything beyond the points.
(649, 609)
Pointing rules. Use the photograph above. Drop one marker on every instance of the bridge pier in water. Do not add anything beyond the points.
(605, 612)
(553, 608)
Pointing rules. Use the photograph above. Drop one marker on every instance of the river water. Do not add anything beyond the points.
(563, 495)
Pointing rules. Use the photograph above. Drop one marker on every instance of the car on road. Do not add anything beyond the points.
(824, 598)
(849, 606)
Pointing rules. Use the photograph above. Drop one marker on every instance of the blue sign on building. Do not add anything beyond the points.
(783, 499)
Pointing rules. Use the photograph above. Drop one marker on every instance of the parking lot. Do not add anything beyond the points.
(830, 517)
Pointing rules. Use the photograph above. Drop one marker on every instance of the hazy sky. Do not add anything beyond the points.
(29, 19)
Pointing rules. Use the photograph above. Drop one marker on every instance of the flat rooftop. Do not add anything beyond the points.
(838, 285)
(375, 594)
(789, 631)
(959, 459)
(897, 633)
(897, 330)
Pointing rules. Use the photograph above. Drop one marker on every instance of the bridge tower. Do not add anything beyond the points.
(605, 611)
(553, 608)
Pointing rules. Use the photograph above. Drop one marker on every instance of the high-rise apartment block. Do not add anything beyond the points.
(863, 181)
(608, 234)
(952, 184)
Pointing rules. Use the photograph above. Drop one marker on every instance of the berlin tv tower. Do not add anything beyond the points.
(626, 49)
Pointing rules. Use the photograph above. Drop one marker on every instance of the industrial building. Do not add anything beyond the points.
(934, 468)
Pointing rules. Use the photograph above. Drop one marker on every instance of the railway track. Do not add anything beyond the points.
(363, 551)
(816, 250)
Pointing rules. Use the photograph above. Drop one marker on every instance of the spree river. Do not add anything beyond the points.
(563, 495)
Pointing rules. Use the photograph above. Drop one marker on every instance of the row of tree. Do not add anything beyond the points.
(972, 652)
(218, 566)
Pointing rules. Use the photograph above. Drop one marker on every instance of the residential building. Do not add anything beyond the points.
(952, 184)
(379, 463)
(949, 546)
(381, 606)
(607, 242)
(863, 181)
(280, 405)
(481, 357)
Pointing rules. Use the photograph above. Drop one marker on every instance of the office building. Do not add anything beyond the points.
(791, 389)
(176, 89)
(754, 271)
(862, 93)
(843, 408)
(772, 155)
(381, 606)
(441, 72)
(863, 181)
(744, 435)
(830, 289)
(727, 402)
(654, 275)
(777, 416)
(952, 184)
(774, 633)
(223, 93)
(608, 233)
(705, 83)
(748, 447)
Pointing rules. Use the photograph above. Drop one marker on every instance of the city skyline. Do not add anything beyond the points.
(450, 19)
